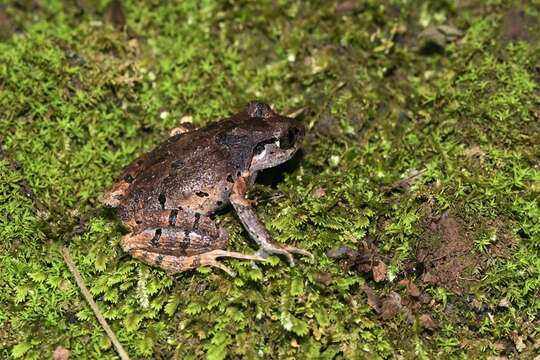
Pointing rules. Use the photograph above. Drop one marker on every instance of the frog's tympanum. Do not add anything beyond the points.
(166, 196)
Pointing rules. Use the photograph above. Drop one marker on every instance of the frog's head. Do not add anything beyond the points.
(276, 138)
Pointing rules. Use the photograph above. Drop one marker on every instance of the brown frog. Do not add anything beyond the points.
(166, 196)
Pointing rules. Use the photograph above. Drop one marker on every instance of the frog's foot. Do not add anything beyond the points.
(175, 264)
(209, 259)
(268, 249)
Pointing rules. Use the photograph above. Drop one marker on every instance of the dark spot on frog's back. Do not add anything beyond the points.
(155, 239)
(196, 222)
(162, 199)
(230, 178)
(184, 244)
(201, 194)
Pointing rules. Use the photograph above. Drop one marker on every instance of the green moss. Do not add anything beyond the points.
(80, 99)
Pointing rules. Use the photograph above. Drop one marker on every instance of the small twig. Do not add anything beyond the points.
(89, 299)
(294, 114)
(82, 223)
(42, 210)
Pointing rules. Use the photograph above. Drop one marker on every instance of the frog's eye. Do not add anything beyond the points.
(261, 147)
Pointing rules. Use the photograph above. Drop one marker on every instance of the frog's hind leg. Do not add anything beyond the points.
(176, 241)
(176, 264)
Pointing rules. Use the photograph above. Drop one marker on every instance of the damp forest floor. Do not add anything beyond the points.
(417, 189)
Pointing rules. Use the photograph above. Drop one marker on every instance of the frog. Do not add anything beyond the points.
(167, 198)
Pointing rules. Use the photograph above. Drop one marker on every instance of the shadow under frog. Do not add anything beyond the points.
(166, 196)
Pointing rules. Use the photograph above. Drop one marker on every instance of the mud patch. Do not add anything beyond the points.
(447, 254)
(516, 25)
(449, 257)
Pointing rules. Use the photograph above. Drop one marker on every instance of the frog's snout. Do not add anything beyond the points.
(292, 137)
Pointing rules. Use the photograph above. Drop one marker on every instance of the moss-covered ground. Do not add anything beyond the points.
(422, 157)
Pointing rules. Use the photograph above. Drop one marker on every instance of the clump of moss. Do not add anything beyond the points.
(398, 137)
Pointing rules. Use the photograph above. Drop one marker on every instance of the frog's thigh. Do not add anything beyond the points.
(163, 248)
(196, 237)
(174, 232)
(175, 241)
(174, 248)
(149, 218)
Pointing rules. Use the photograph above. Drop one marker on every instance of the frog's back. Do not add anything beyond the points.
(191, 171)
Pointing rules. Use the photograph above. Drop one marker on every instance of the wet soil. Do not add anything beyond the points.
(448, 254)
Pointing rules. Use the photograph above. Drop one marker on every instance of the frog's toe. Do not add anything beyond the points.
(209, 259)
(221, 266)
(299, 251)
(266, 251)
(214, 254)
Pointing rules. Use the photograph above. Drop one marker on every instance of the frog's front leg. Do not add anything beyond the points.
(254, 227)
(176, 241)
